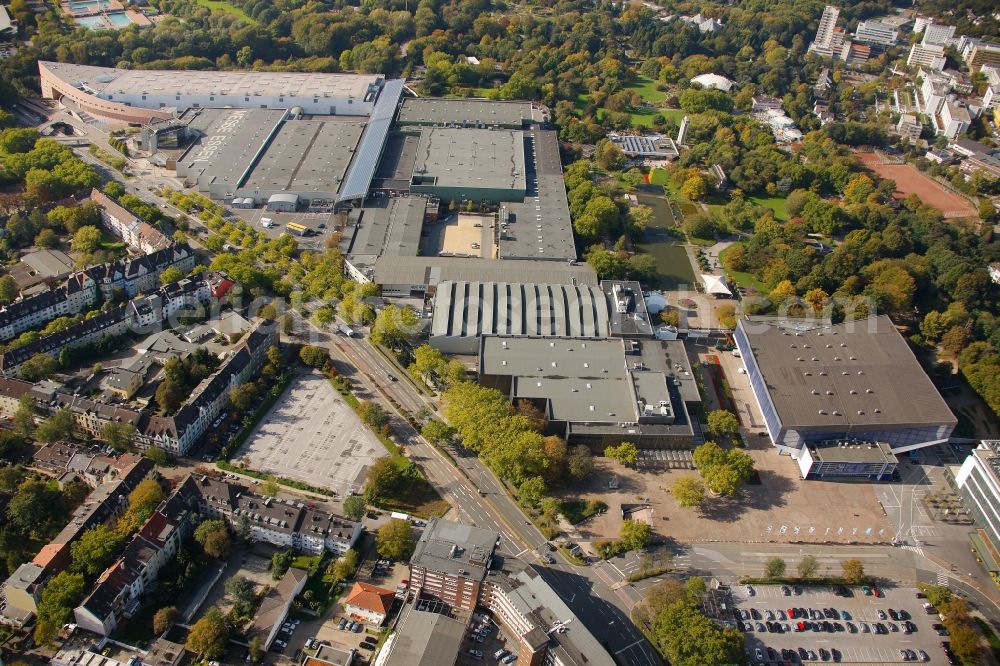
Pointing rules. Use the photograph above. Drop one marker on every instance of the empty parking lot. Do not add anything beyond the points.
(311, 435)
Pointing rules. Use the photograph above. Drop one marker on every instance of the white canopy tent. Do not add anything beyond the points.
(715, 285)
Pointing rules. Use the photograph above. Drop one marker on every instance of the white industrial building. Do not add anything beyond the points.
(876, 33)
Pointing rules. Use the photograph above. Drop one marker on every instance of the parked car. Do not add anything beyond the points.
(342, 624)
(478, 654)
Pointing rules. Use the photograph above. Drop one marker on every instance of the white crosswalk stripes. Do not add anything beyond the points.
(942, 579)
(915, 549)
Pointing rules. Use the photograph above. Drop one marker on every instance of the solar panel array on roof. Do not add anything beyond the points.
(362, 170)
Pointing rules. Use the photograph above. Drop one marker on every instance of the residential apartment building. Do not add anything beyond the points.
(982, 53)
(933, 91)
(80, 291)
(450, 563)
(978, 481)
(828, 40)
(282, 523)
(927, 55)
(118, 592)
(935, 34)
(952, 120)
(876, 33)
(138, 235)
(112, 323)
(22, 590)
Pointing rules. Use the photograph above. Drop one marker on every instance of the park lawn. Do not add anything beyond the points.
(642, 117)
(747, 280)
(777, 204)
(223, 6)
(647, 90)
(659, 177)
(582, 100)
(676, 115)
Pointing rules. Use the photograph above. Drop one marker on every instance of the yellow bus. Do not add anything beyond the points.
(297, 229)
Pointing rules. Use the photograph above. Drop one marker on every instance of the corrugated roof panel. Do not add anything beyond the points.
(366, 156)
(489, 307)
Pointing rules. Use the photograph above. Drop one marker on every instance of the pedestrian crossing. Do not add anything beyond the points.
(942, 579)
(914, 549)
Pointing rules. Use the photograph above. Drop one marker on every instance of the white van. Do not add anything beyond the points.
(266, 222)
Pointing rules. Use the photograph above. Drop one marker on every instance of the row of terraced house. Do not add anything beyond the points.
(175, 434)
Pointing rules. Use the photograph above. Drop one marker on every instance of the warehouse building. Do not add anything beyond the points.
(464, 311)
(139, 96)
(594, 391)
(816, 383)
(465, 113)
(470, 164)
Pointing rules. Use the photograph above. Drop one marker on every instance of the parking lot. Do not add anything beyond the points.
(312, 435)
(852, 644)
(484, 642)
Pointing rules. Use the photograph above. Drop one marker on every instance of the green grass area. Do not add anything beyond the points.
(659, 177)
(582, 101)
(641, 118)
(647, 90)
(225, 7)
(573, 558)
(747, 280)
(777, 204)
(673, 114)
(577, 511)
(111, 243)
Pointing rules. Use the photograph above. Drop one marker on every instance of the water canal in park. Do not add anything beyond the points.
(662, 241)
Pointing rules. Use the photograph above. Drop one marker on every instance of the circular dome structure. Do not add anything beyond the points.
(296, 111)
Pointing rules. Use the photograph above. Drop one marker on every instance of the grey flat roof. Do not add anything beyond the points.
(501, 308)
(438, 111)
(861, 366)
(626, 308)
(359, 175)
(471, 158)
(306, 156)
(875, 452)
(434, 270)
(540, 226)
(108, 80)
(232, 140)
(49, 263)
(389, 226)
(451, 548)
(425, 638)
(584, 380)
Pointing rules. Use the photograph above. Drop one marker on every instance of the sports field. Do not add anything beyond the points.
(909, 181)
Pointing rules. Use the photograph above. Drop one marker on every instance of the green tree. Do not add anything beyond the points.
(395, 540)
(689, 491)
(373, 414)
(625, 453)
(775, 568)
(209, 635)
(579, 462)
(241, 591)
(217, 544)
(169, 396)
(157, 455)
(531, 491)
(24, 417)
(56, 428)
(854, 571)
(437, 432)
(119, 435)
(164, 619)
(33, 507)
(86, 240)
(609, 156)
(694, 188)
(38, 367)
(55, 608)
(808, 566)
(355, 507)
(393, 325)
(314, 357)
(96, 549)
(46, 238)
(280, 563)
(170, 275)
(8, 289)
(723, 423)
(635, 534)
(346, 566)
(256, 650)
(269, 488)
(382, 480)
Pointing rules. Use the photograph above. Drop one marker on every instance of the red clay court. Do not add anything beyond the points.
(909, 180)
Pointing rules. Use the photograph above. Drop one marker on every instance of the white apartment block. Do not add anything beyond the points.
(953, 119)
(978, 480)
(991, 98)
(829, 40)
(877, 33)
(932, 93)
(930, 56)
(936, 34)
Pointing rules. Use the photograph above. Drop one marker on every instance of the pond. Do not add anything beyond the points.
(661, 242)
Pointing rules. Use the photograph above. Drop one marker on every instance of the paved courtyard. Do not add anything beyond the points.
(312, 435)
